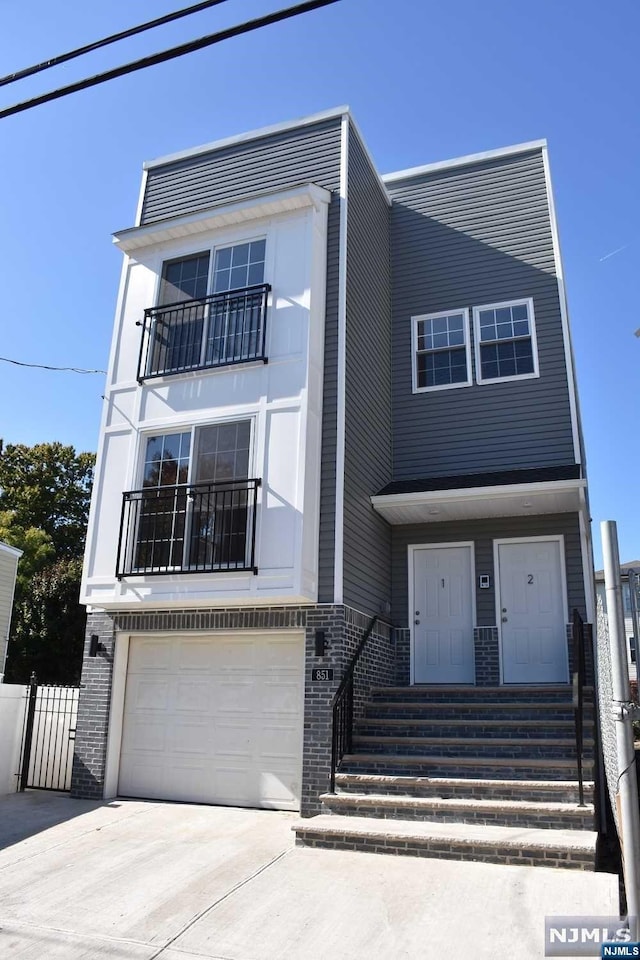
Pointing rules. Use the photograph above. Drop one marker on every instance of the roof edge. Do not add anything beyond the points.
(467, 160)
(245, 137)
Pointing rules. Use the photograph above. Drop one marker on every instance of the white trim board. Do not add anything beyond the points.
(465, 161)
(12, 551)
(564, 312)
(338, 559)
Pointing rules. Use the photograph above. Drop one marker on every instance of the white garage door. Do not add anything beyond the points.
(214, 719)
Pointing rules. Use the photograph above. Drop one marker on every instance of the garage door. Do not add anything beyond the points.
(214, 719)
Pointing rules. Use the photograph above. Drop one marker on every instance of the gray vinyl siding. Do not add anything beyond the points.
(307, 154)
(367, 536)
(483, 533)
(464, 237)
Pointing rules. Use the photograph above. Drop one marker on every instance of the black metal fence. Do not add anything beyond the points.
(188, 528)
(48, 737)
(579, 680)
(214, 331)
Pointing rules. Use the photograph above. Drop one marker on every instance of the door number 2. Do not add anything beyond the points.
(530, 578)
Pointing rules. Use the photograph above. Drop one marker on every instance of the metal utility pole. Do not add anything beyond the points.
(623, 712)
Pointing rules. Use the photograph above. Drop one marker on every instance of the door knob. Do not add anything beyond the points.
(417, 623)
(504, 619)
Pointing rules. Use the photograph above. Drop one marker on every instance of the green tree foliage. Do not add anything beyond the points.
(48, 631)
(45, 492)
(48, 486)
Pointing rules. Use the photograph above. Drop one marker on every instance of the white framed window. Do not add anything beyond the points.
(440, 350)
(505, 341)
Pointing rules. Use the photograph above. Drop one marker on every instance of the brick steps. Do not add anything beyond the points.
(554, 791)
(510, 813)
(462, 747)
(469, 729)
(510, 710)
(532, 695)
(479, 773)
(511, 768)
(570, 849)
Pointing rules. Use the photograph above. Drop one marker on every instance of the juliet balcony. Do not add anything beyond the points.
(188, 528)
(215, 331)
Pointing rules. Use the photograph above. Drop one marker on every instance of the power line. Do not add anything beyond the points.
(44, 366)
(131, 32)
(170, 54)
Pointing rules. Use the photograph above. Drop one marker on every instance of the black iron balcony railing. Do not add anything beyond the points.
(215, 331)
(188, 528)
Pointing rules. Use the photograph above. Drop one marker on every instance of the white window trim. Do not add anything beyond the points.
(528, 301)
(414, 350)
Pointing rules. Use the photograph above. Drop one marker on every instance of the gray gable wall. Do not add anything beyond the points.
(463, 237)
(367, 537)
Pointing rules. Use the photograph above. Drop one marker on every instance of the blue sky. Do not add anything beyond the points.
(426, 82)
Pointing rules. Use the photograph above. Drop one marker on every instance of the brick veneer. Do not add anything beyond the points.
(343, 628)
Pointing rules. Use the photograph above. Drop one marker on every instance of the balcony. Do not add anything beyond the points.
(215, 331)
(188, 528)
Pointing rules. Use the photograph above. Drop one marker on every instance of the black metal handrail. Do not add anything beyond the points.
(214, 331)
(188, 528)
(342, 709)
(579, 676)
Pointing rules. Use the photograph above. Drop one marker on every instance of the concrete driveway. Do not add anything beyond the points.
(140, 880)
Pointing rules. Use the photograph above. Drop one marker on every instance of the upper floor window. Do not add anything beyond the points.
(505, 340)
(441, 357)
(207, 317)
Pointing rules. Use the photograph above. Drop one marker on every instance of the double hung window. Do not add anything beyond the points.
(441, 356)
(505, 341)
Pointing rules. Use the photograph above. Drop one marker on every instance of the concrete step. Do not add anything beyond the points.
(553, 791)
(523, 747)
(488, 768)
(450, 693)
(571, 849)
(471, 729)
(542, 815)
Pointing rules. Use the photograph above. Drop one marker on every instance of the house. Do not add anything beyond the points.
(626, 574)
(9, 557)
(339, 406)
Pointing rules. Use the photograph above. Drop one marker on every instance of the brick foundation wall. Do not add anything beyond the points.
(487, 650)
(343, 629)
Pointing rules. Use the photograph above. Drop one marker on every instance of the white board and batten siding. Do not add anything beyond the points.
(9, 557)
(214, 719)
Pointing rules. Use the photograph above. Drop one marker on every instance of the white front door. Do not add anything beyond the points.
(442, 614)
(531, 612)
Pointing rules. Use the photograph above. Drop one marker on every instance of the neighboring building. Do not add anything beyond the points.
(333, 396)
(633, 566)
(9, 557)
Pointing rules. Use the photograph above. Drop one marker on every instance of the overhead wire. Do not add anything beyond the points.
(114, 38)
(170, 54)
(46, 366)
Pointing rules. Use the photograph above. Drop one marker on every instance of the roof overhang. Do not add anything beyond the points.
(476, 503)
(222, 215)
(10, 551)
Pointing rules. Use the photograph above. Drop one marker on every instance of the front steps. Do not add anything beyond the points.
(463, 773)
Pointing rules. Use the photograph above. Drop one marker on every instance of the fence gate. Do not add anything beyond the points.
(49, 732)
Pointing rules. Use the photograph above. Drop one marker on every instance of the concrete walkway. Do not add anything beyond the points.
(136, 880)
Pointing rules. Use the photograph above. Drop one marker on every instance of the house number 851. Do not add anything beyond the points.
(530, 578)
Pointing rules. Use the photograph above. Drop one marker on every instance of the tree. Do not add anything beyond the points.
(48, 486)
(45, 492)
(48, 627)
